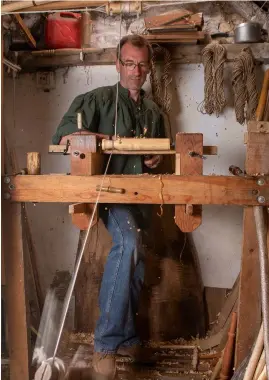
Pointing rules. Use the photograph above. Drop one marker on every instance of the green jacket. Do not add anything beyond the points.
(98, 109)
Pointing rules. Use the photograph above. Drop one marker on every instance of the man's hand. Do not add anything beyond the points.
(152, 161)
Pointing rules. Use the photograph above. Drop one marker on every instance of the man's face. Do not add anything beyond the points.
(133, 66)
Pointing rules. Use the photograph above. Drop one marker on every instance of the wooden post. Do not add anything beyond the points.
(16, 300)
(249, 311)
(33, 163)
(189, 161)
(85, 160)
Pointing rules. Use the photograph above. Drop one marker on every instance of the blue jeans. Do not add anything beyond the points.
(122, 281)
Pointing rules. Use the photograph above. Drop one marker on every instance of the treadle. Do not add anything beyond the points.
(172, 363)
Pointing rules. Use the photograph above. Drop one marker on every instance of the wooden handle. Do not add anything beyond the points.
(229, 350)
(263, 97)
(266, 110)
(33, 163)
(86, 29)
(136, 144)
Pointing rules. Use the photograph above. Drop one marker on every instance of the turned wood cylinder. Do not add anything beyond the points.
(33, 163)
(136, 144)
(86, 29)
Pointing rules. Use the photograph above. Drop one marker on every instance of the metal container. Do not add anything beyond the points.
(248, 32)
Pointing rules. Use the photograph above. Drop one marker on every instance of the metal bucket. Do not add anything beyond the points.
(248, 32)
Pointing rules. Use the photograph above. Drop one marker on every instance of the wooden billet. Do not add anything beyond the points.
(33, 163)
(146, 144)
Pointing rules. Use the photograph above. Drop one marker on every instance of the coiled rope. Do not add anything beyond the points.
(244, 86)
(213, 59)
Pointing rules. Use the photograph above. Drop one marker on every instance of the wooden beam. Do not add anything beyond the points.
(192, 54)
(208, 150)
(153, 189)
(180, 54)
(18, 333)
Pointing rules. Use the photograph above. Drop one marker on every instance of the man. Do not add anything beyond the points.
(124, 269)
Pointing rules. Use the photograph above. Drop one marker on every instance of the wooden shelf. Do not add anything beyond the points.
(180, 54)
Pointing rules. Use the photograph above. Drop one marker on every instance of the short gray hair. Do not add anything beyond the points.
(135, 40)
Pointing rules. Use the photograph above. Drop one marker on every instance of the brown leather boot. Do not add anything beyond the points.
(104, 366)
(139, 353)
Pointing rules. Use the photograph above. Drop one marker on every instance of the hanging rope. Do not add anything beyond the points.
(160, 87)
(213, 58)
(244, 86)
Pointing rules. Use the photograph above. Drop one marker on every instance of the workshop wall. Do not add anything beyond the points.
(32, 115)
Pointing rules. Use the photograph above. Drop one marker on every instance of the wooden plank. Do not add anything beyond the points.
(185, 36)
(249, 311)
(144, 188)
(215, 299)
(18, 333)
(188, 219)
(181, 54)
(193, 22)
(227, 308)
(163, 19)
(173, 29)
(249, 307)
(25, 30)
(208, 150)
